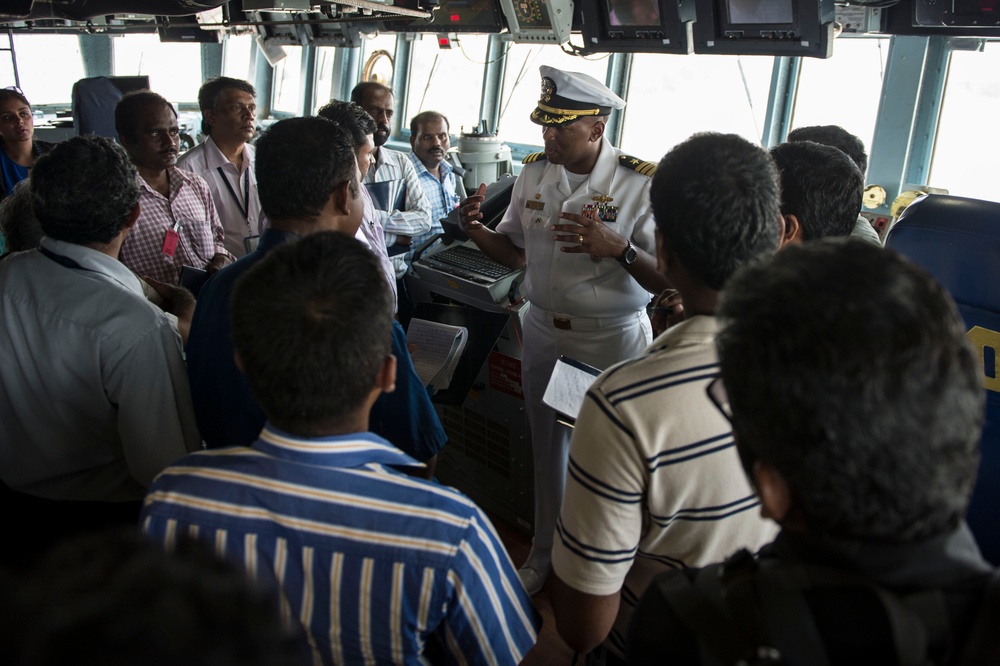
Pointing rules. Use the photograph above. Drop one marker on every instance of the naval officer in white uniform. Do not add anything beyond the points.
(580, 222)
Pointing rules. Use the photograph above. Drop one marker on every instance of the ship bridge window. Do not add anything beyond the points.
(237, 53)
(288, 81)
(41, 82)
(174, 69)
(845, 89)
(675, 96)
(522, 86)
(436, 75)
(966, 156)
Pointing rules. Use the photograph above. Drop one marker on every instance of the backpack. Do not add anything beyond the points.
(754, 612)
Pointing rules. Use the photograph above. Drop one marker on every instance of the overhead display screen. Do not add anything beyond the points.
(640, 13)
(756, 12)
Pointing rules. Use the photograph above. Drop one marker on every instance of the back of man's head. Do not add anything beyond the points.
(115, 598)
(837, 137)
(83, 190)
(848, 372)
(18, 223)
(351, 117)
(311, 326)
(299, 164)
(820, 186)
(715, 198)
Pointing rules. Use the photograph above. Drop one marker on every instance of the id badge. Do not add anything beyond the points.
(170, 241)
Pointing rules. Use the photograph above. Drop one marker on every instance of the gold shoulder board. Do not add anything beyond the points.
(533, 157)
(634, 163)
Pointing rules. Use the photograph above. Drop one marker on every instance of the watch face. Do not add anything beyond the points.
(630, 255)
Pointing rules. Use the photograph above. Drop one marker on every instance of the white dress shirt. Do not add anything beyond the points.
(233, 190)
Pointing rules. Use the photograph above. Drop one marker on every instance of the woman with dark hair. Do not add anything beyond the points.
(18, 147)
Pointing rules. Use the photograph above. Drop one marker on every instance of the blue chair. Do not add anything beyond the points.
(958, 241)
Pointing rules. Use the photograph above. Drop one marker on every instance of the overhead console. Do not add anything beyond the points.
(452, 16)
(539, 21)
(957, 13)
(765, 27)
(638, 26)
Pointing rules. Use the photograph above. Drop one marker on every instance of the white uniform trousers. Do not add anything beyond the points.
(600, 342)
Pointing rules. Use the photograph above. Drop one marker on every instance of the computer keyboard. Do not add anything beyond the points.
(469, 259)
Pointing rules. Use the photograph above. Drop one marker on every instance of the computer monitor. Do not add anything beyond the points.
(538, 21)
(475, 16)
(638, 26)
(127, 84)
(765, 27)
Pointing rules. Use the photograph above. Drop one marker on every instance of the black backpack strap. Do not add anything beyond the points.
(695, 598)
(982, 646)
(918, 620)
(769, 602)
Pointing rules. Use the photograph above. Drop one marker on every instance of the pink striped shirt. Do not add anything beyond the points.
(191, 207)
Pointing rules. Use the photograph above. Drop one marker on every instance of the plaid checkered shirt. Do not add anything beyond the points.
(191, 207)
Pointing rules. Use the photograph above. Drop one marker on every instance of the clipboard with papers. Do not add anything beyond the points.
(568, 386)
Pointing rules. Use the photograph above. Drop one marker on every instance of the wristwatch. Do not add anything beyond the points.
(629, 255)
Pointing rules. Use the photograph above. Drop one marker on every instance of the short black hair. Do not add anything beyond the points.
(715, 198)
(299, 163)
(351, 117)
(127, 111)
(365, 88)
(427, 117)
(837, 137)
(312, 325)
(821, 186)
(84, 189)
(208, 95)
(848, 370)
(114, 598)
(18, 223)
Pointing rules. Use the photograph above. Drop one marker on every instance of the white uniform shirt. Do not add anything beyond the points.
(569, 283)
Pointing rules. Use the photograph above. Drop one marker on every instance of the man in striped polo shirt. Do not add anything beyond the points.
(654, 481)
(377, 565)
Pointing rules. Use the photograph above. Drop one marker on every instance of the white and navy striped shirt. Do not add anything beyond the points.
(379, 567)
(654, 480)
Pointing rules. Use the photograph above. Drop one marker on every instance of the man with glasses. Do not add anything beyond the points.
(225, 159)
(654, 481)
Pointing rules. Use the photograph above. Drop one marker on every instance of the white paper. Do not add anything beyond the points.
(568, 386)
(436, 350)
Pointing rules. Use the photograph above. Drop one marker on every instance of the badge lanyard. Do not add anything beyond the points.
(64, 260)
(243, 207)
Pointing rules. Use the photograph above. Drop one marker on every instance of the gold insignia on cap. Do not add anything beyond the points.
(548, 89)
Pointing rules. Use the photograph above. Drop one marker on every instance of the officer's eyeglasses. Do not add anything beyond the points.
(716, 391)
